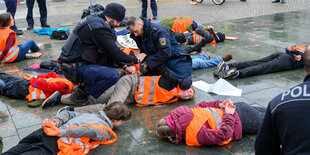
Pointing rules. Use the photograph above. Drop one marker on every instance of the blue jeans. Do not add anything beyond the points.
(24, 48)
(97, 79)
(202, 61)
(153, 7)
(42, 8)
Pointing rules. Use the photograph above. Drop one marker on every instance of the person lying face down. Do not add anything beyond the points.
(74, 133)
(210, 123)
(142, 90)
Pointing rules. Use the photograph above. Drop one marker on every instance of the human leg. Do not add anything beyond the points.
(154, 8)
(43, 11)
(251, 118)
(29, 17)
(11, 6)
(204, 62)
(30, 45)
(144, 8)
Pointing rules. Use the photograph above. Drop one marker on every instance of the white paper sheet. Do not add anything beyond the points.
(221, 87)
(126, 41)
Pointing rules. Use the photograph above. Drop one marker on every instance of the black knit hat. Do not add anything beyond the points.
(115, 11)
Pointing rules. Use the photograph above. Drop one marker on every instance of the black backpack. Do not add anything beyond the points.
(60, 35)
(96, 9)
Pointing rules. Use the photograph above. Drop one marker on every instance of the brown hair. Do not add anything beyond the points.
(5, 19)
(306, 60)
(117, 111)
(164, 131)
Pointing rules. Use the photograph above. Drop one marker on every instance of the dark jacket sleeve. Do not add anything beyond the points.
(8, 45)
(106, 43)
(162, 43)
(267, 140)
(209, 37)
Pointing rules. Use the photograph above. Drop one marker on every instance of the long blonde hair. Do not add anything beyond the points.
(164, 131)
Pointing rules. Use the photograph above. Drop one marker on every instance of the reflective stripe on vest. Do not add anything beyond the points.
(300, 48)
(35, 94)
(129, 50)
(150, 93)
(81, 146)
(212, 116)
(11, 55)
(14, 50)
(196, 38)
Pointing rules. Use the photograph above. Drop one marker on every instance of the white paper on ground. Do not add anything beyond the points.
(221, 87)
(126, 41)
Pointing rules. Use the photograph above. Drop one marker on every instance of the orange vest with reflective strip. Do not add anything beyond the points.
(14, 50)
(81, 146)
(135, 52)
(36, 94)
(150, 93)
(179, 25)
(197, 38)
(213, 116)
(300, 48)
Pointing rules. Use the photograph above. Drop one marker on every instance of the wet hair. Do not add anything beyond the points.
(5, 19)
(164, 131)
(306, 60)
(117, 111)
(133, 21)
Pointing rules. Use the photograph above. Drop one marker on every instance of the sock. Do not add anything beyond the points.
(226, 68)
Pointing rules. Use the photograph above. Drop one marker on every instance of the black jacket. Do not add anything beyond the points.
(286, 126)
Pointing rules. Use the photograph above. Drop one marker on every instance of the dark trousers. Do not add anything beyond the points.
(16, 88)
(153, 7)
(11, 6)
(251, 117)
(43, 11)
(37, 143)
(97, 79)
(275, 62)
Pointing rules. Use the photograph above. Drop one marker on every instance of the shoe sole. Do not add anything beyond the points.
(42, 105)
(218, 69)
(229, 74)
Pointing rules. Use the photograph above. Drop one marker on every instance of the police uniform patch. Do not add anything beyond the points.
(162, 41)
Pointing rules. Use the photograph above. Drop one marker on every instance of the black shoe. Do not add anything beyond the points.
(30, 27)
(52, 100)
(155, 17)
(275, 1)
(143, 17)
(231, 73)
(219, 69)
(242, 0)
(79, 97)
(45, 25)
(18, 32)
(283, 1)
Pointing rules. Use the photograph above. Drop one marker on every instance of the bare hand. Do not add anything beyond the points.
(297, 57)
(230, 109)
(141, 56)
(224, 103)
(210, 28)
(130, 70)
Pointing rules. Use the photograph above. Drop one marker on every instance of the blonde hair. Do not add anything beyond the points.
(164, 131)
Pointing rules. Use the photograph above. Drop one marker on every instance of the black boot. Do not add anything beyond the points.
(52, 100)
(275, 1)
(79, 97)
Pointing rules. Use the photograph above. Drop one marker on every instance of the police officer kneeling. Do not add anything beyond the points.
(286, 126)
(88, 49)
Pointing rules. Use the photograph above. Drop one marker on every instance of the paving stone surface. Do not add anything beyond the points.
(263, 28)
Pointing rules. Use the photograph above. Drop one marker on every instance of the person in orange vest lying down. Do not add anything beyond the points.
(10, 50)
(211, 123)
(72, 133)
(142, 90)
(34, 87)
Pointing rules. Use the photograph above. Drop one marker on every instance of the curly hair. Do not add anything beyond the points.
(164, 131)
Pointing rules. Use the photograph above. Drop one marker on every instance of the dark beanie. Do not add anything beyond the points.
(220, 37)
(115, 11)
(186, 83)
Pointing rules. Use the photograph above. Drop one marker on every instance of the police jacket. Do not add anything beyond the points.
(286, 126)
(161, 48)
(93, 41)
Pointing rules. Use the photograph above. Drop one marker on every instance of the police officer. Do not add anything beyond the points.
(89, 48)
(11, 6)
(164, 54)
(286, 129)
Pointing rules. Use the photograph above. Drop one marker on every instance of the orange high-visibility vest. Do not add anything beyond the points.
(196, 38)
(213, 116)
(213, 42)
(81, 146)
(179, 25)
(150, 93)
(300, 48)
(135, 52)
(36, 94)
(14, 50)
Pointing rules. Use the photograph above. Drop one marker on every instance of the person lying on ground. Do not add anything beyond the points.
(275, 62)
(74, 133)
(10, 50)
(211, 123)
(34, 87)
(142, 90)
